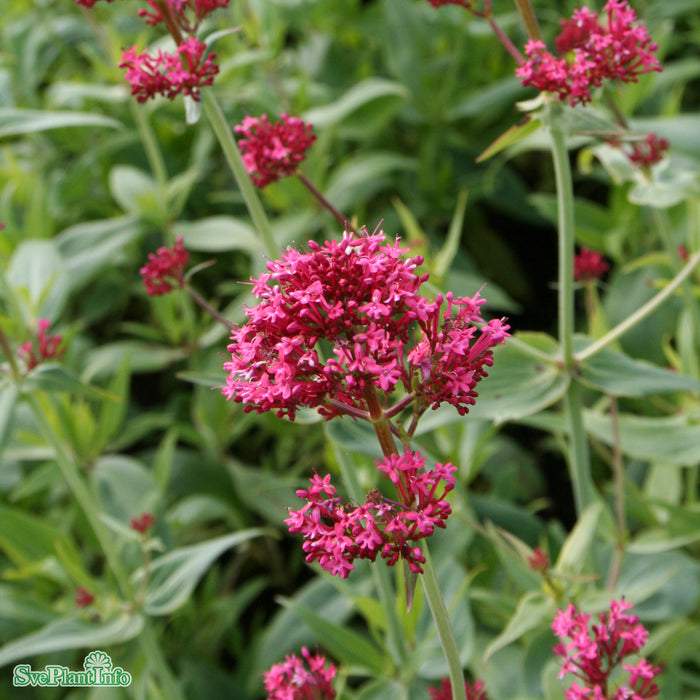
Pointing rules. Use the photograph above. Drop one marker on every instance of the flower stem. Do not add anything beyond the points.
(642, 312)
(204, 304)
(380, 573)
(339, 217)
(579, 459)
(150, 146)
(442, 622)
(527, 14)
(510, 47)
(233, 156)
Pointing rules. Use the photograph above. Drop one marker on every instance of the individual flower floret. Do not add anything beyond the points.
(590, 52)
(444, 692)
(143, 523)
(188, 14)
(300, 679)
(346, 319)
(649, 151)
(163, 265)
(589, 265)
(83, 598)
(48, 346)
(169, 74)
(337, 533)
(596, 650)
(272, 151)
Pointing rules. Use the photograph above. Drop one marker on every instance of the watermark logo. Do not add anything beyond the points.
(98, 672)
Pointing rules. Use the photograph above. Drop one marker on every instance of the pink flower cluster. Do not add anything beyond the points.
(649, 151)
(342, 320)
(589, 265)
(444, 692)
(596, 650)
(589, 52)
(188, 14)
(272, 151)
(169, 74)
(164, 264)
(143, 523)
(48, 346)
(335, 533)
(300, 679)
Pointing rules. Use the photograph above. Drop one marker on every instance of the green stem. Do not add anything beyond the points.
(442, 622)
(380, 573)
(641, 313)
(86, 500)
(89, 505)
(153, 652)
(150, 145)
(579, 459)
(228, 145)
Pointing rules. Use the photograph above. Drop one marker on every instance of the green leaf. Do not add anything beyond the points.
(362, 109)
(519, 385)
(216, 234)
(134, 190)
(73, 634)
(674, 439)
(25, 539)
(14, 122)
(614, 373)
(8, 400)
(443, 260)
(89, 247)
(364, 175)
(172, 577)
(51, 377)
(516, 133)
(38, 269)
(534, 610)
(658, 540)
(574, 554)
(345, 644)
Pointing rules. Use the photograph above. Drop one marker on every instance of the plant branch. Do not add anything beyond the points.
(320, 198)
(641, 313)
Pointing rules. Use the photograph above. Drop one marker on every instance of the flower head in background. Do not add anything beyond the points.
(272, 151)
(143, 523)
(165, 266)
(589, 52)
(188, 14)
(596, 650)
(337, 533)
(170, 74)
(44, 347)
(589, 265)
(300, 679)
(649, 151)
(444, 692)
(539, 561)
(83, 598)
(346, 319)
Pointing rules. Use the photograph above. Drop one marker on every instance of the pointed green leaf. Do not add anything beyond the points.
(345, 644)
(172, 577)
(14, 122)
(72, 634)
(516, 133)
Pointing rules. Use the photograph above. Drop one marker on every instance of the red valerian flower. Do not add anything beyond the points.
(143, 523)
(83, 597)
(589, 265)
(649, 151)
(188, 14)
(300, 679)
(337, 533)
(272, 151)
(348, 318)
(444, 692)
(596, 650)
(48, 346)
(539, 561)
(590, 52)
(163, 265)
(169, 74)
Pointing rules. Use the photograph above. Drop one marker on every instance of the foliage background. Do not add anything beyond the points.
(403, 98)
